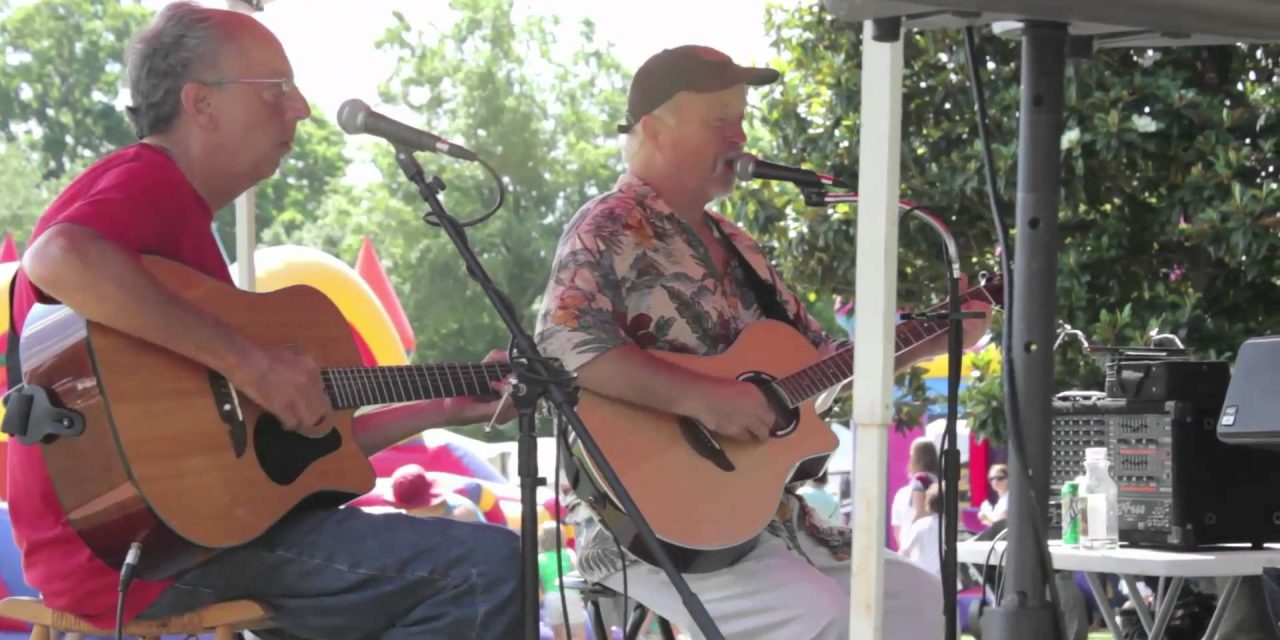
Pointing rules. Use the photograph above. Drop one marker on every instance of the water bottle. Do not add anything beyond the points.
(1100, 521)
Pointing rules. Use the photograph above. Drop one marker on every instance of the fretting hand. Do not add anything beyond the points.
(477, 410)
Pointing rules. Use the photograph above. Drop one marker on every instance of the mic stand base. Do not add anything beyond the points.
(1020, 621)
(536, 377)
(526, 394)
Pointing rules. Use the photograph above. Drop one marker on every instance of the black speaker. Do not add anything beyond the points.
(1251, 411)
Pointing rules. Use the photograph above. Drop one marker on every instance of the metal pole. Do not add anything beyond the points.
(246, 239)
(1025, 611)
(246, 204)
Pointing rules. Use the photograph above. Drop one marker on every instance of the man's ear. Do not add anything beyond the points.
(197, 104)
(654, 130)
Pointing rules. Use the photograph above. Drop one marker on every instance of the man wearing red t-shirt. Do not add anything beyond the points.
(215, 108)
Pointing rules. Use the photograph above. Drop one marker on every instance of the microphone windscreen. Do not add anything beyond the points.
(351, 115)
(744, 166)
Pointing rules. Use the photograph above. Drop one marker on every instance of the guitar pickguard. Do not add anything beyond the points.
(285, 455)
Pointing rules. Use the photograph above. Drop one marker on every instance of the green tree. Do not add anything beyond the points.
(309, 176)
(25, 194)
(1170, 183)
(533, 96)
(61, 96)
(63, 75)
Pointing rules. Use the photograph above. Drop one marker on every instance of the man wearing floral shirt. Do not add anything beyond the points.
(647, 267)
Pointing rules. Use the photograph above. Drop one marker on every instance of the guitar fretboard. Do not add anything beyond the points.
(352, 387)
(837, 368)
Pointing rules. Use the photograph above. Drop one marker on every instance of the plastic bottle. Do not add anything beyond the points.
(1100, 513)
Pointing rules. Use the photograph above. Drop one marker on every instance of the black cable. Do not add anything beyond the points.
(986, 565)
(1012, 417)
(555, 479)
(502, 196)
(126, 577)
(1003, 573)
(949, 465)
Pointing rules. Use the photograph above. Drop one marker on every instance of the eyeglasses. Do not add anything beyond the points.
(994, 478)
(287, 85)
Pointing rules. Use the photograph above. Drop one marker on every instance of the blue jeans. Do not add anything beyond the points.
(345, 574)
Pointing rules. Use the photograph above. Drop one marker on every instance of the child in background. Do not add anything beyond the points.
(920, 543)
(555, 560)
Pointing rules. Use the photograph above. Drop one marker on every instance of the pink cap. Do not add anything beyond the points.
(412, 489)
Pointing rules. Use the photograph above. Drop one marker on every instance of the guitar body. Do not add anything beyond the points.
(171, 455)
(706, 513)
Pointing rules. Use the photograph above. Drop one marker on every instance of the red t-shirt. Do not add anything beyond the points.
(138, 198)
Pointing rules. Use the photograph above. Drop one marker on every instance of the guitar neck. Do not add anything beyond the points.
(837, 368)
(353, 387)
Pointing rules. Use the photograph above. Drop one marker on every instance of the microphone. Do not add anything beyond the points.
(354, 116)
(749, 167)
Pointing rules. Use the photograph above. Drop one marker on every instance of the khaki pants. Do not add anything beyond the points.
(774, 593)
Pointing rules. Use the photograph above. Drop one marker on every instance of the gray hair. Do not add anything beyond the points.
(182, 41)
(633, 140)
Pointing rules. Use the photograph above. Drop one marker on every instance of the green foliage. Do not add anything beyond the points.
(982, 395)
(536, 98)
(61, 97)
(25, 194)
(309, 177)
(1169, 177)
(63, 73)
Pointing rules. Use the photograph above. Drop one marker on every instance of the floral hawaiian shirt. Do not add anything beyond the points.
(630, 270)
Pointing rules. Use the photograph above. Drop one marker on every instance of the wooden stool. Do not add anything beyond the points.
(223, 619)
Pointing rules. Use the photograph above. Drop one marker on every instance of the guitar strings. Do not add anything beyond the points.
(824, 374)
(367, 385)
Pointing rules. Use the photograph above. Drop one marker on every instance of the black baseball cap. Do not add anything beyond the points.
(687, 68)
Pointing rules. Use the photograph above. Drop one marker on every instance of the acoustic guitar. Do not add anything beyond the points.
(708, 498)
(175, 457)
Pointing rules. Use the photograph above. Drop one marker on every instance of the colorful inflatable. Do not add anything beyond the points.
(439, 450)
(370, 269)
(11, 581)
(283, 266)
(486, 500)
(489, 497)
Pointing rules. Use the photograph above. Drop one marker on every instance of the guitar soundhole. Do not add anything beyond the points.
(285, 455)
(788, 417)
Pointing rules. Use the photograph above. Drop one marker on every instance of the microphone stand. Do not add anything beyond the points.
(955, 346)
(536, 377)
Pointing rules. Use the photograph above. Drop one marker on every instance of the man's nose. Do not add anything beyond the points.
(738, 135)
(297, 107)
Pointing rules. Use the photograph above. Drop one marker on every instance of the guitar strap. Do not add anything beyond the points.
(765, 292)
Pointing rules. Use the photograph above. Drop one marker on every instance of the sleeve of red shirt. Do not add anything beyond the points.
(131, 205)
(128, 206)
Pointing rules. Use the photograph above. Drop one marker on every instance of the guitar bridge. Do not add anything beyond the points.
(228, 404)
(702, 442)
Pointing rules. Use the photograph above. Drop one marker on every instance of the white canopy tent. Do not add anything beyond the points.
(1112, 23)
(246, 204)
